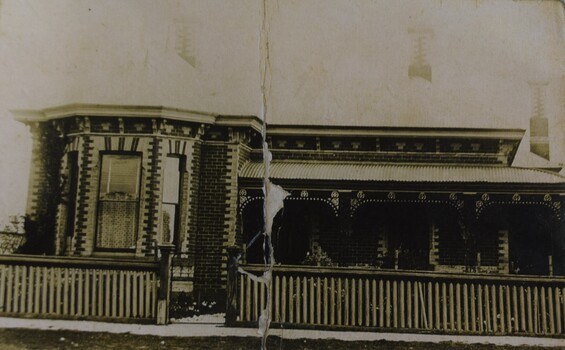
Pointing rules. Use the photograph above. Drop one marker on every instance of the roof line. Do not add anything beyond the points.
(362, 127)
(376, 131)
(85, 109)
(147, 111)
(404, 164)
(400, 172)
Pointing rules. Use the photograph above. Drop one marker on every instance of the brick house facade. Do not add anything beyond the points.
(126, 178)
(112, 174)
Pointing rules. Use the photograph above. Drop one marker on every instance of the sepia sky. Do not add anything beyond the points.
(331, 62)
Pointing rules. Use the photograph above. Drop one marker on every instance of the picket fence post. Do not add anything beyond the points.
(234, 254)
(164, 294)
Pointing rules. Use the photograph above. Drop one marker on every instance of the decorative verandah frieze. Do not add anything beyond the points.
(360, 198)
(347, 202)
(551, 201)
(331, 198)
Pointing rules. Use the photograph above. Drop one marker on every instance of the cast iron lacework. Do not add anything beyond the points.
(391, 197)
(332, 200)
(480, 205)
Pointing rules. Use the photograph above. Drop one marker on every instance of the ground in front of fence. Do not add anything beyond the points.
(60, 339)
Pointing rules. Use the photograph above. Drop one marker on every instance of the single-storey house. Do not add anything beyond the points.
(434, 199)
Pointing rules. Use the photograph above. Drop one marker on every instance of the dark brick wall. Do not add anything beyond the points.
(212, 208)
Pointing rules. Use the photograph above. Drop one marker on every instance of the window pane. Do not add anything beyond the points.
(171, 180)
(116, 224)
(120, 177)
(169, 218)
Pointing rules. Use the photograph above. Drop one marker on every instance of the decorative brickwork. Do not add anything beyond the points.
(445, 158)
(153, 150)
(195, 175)
(63, 209)
(186, 179)
(382, 247)
(152, 194)
(231, 200)
(434, 246)
(86, 201)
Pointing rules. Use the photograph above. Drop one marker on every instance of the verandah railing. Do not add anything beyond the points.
(69, 287)
(409, 300)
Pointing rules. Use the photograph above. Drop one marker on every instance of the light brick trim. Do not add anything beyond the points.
(434, 246)
(503, 252)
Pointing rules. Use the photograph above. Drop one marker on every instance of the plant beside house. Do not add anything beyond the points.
(318, 257)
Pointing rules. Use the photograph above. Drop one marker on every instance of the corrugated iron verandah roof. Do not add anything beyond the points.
(386, 172)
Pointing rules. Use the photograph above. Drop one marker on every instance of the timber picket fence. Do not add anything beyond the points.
(78, 288)
(405, 300)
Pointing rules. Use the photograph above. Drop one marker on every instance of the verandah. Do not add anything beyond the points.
(450, 232)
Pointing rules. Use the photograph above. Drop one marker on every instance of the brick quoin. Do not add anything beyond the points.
(152, 190)
(83, 195)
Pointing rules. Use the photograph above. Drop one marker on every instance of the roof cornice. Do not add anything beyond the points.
(99, 110)
(362, 131)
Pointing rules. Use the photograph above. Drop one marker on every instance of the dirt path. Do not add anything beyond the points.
(58, 339)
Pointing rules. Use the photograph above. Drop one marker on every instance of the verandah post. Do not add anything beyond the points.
(234, 254)
(164, 283)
